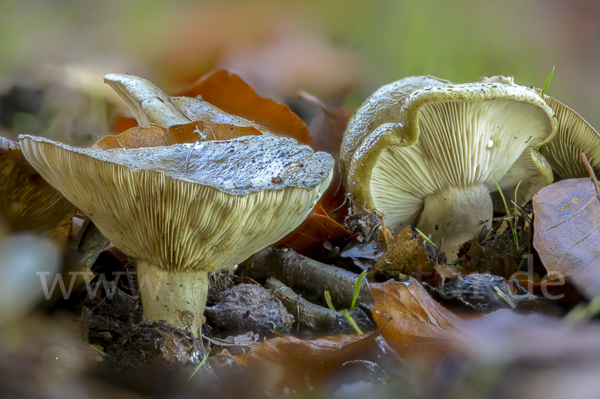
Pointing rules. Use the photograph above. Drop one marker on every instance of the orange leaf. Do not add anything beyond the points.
(203, 131)
(229, 92)
(136, 137)
(412, 322)
(327, 129)
(156, 136)
(303, 361)
(122, 122)
(310, 235)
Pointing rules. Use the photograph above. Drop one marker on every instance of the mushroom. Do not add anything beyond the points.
(27, 201)
(574, 136)
(233, 198)
(423, 149)
(149, 104)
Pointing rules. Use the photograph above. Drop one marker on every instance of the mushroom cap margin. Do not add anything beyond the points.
(173, 222)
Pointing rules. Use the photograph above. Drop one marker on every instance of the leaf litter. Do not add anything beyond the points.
(406, 322)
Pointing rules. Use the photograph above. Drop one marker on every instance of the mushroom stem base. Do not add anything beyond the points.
(176, 297)
(457, 214)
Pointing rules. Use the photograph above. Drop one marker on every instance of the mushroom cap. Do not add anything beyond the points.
(416, 136)
(574, 136)
(28, 201)
(236, 197)
(149, 104)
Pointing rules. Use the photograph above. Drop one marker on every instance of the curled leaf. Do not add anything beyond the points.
(412, 322)
(230, 93)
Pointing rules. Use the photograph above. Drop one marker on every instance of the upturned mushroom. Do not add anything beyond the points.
(182, 218)
(149, 104)
(427, 151)
(574, 136)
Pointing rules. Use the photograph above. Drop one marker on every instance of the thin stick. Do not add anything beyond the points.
(588, 167)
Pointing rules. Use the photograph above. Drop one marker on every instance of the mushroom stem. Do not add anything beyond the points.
(178, 297)
(457, 214)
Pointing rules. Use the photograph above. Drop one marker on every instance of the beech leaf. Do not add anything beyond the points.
(412, 322)
(567, 233)
(314, 230)
(155, 136)
(299, 361)
(230, 93)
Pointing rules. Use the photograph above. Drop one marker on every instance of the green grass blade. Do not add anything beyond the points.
(351, 321)
(328, 300)
(282, 329)
(425, 237)
(547, 82)
(515, 232)
(512, 227)
(357, 288)
(199, 366)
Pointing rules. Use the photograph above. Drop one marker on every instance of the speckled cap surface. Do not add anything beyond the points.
(236, 197)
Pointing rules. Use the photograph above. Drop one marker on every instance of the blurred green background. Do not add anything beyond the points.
(338, 49)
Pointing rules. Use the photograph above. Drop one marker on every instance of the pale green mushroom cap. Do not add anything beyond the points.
(574, 136)
(420, 136)
(236, 197)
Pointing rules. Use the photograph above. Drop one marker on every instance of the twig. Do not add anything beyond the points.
(308, 275)
(309, 315)
(588, 167)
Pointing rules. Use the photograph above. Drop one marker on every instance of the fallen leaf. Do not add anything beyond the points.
(327, 129)
(123, 121)
(405, 256)
(317, 228)
(299, 362)
(28, 201)
(412, 322)
(155, 136)
(229, 92)
(567, 234)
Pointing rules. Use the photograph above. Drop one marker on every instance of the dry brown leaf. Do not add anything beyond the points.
(412, 322)
(298, 362)
(405, 256)
(155, 136)
(27, 201)
(567, 233)
(327, 129)
(229, 92)
(122, 121)
(314, 230)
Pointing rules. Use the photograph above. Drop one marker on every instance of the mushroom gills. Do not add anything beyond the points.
(462, 148)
